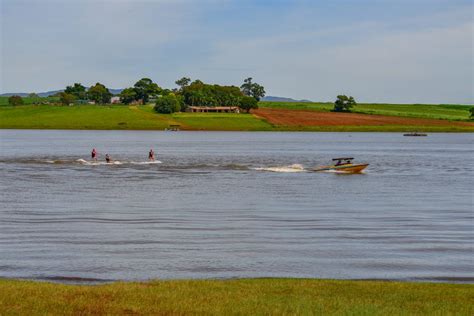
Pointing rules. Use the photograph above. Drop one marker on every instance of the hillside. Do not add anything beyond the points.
(47, 93)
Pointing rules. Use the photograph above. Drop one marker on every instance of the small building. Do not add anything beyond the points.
(215, 109)
(115, 100)
(137, 102)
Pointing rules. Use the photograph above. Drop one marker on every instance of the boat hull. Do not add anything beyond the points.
(350, 168)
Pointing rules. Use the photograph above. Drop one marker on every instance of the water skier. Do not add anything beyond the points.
(151, 155)
(94, 154)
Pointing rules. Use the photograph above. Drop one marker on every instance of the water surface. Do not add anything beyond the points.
(223, 205)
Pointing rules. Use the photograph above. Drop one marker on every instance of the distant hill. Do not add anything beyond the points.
(48, 93)
(25, 94)
(117, 91)
(281, 99)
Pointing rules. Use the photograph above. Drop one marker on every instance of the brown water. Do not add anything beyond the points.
(222, 205)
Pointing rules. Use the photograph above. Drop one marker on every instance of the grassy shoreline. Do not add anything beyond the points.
(120, 117)
(238, 296)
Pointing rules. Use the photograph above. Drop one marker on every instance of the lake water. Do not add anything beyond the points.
(227, 204)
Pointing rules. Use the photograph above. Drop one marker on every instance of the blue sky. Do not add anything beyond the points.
(378, 51)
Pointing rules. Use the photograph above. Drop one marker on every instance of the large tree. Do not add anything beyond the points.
(99, 93)
(144, 88)
(343, 103)
(77, 90)
(183, 82)
(128, 95)
(201, 94)
(252, 89)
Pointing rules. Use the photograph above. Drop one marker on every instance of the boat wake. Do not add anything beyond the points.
(98, 163)
(145, 162)
(116, 162)
(170, 166)
(287, 169)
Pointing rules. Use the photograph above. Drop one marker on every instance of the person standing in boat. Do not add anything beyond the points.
(151, 155)
(94, 154)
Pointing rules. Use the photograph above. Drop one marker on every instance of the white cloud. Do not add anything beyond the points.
(433, 64)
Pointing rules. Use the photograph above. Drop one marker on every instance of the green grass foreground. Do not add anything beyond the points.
(244, 297)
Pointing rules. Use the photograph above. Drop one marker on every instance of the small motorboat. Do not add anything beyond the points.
(415, 134)
(343, 165)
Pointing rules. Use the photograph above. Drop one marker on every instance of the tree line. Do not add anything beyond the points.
(189, 93)
(97, 93)
(194, 93)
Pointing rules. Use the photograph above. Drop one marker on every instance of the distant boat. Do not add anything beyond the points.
(343, 165)
(173, 128)
(415, 134)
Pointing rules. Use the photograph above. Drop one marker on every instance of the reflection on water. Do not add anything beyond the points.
(234, 205)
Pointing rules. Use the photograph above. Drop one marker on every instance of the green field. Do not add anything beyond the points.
(121, 117)
(109, 117)
(237, 297)
(80, 117)
(430, 111)
(221, 121)
(28, 100)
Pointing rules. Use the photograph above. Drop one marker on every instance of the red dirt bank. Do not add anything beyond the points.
(314, 118)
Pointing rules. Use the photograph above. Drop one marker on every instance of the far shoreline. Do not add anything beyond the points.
(270, 117)
(247, 131)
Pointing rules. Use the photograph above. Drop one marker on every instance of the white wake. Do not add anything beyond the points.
(290, 168)
(99, 163)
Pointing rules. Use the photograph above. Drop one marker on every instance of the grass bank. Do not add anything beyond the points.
(221, 121)
(82, 117)
(245, 297)
(110, 117)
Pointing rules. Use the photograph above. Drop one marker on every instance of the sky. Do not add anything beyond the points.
(400, 51)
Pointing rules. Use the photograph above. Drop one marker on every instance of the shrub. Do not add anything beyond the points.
(15, 100)
(343, 103)
(66, 98)
(168, 104)
(248, 103)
